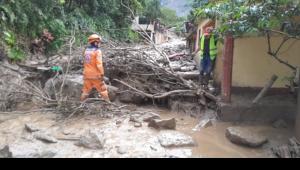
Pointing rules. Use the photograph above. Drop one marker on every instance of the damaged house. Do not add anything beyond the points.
(157, 32)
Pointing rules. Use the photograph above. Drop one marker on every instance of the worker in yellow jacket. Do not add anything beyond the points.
(208, 54)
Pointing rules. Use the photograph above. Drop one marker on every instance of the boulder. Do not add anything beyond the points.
(5, 152)
(175, 139)
(45, 137)
(92, 140)
(245, 137)
(128, 97)
(163, 124)
(73, 87)
(32, 150)
(31, 128)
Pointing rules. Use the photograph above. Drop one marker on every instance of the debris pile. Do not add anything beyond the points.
(291, 150)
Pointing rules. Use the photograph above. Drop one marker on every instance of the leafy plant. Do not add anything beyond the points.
(9, 38)
(16, 54)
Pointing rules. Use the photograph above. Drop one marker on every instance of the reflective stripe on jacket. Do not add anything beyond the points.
(93, 65)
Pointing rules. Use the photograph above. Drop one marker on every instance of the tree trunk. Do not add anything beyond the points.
(298, 115)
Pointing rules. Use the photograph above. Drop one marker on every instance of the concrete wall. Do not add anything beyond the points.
(253, 67)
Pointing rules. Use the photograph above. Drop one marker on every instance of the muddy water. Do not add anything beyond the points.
(213, 143)
(135, 142)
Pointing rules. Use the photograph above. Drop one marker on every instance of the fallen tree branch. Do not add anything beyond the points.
(265, 89)
(154, 96)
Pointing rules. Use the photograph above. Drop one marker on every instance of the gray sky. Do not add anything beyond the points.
(179, 5)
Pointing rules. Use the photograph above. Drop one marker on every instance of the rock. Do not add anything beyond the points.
(73, 87)
(280, 124)
(45, 138)
(118, 122)
(92, 140)
(121, 150)
(27, 150)
(31, 128)
(163, 124)
(135, 118)
(175, 139)
(5, 152)
(68, 132)
(128, 97)
(47, 154)
(203, 124)
(148, 117)
(137, 124)
(113, 92)
(153, 148)
(245, 137)
(108, 116)
(292, 150)
(179, 153)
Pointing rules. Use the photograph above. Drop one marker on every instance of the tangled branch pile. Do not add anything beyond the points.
(148, 73)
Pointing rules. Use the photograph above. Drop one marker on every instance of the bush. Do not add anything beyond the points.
(16, 54)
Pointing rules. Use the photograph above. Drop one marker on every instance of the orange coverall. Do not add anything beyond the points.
(93, 74)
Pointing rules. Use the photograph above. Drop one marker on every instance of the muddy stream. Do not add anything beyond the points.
(123, 140)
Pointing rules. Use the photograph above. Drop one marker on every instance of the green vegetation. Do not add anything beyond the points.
(248, 16)
(170, 18)
(167, 16)
(22, 21)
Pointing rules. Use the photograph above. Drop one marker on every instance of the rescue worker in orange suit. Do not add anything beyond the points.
(93, 69)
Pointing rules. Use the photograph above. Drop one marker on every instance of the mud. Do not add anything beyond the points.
(123, 140)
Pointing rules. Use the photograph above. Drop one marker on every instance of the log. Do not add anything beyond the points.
(297, 127)
(189, 75)
(154, 96)
(176, 55)
(265, 89)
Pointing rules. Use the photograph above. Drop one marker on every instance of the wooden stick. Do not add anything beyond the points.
(265, 89)
(154, 96)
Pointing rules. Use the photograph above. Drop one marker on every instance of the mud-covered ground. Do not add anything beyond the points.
(117, 136)
(123, 139)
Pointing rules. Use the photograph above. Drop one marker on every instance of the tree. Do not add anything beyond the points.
(169, 17)
(152, 10)
(26, 19)
(248, 16)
